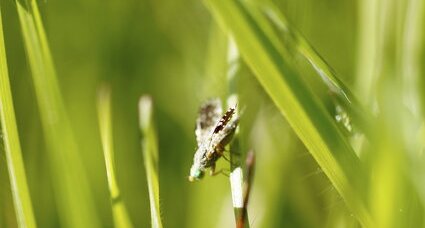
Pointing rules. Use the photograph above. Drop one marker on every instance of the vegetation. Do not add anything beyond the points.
(330, 96)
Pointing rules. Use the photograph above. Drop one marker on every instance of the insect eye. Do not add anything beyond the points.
(199, 174)
(196, 175)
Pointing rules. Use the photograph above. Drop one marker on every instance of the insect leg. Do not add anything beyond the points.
(225, 172)
(213, 172)
(227, 159)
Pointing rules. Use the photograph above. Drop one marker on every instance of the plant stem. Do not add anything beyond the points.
(236, 175)
(250, 166)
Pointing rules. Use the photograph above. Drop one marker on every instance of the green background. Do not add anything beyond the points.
(174, 51)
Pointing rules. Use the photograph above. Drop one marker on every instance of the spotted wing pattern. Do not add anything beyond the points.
(210, 114)
(223, 131)
(224, 120)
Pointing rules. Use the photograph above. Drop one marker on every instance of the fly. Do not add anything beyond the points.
(214, 130)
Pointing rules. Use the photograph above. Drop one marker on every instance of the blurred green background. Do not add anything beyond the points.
(174, 51)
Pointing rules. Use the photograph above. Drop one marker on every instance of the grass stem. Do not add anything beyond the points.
(150, 156)
(119, 211)
(242, 220)
(236, 175)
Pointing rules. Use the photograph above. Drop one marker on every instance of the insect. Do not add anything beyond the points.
(214, 131)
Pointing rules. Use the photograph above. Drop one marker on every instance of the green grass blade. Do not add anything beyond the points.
(367, 55)
(236, 175)
(261, 50)
(76, 208)
(411, 51)
(17, 176)
(150, 156)
(119, 211)
(300, 46)
(421, 58)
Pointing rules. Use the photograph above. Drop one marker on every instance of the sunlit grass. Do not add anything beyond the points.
(330, 96)
(15, 164)
(260, 49)
(72, 191)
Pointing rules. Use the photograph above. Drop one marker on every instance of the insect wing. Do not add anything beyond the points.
(224, 130)
(224, 120)
(209, 115)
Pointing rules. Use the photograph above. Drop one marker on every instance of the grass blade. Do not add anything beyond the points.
(411, 52)
(75, 205)
(236, 175)
(250, 167)
(17, 176)
(368, 42)
(150, 156)
(119, 211)
(262, 51)
(300, 46)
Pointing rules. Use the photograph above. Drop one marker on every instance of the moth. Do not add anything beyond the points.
(214, 130)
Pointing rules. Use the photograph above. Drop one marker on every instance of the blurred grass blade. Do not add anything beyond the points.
(261, 49)
(15, 164)
(421, 58)
(76, 208)
(411, 48)
(367, 46)
(300, 46)
(119, 211)
(150, 156)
